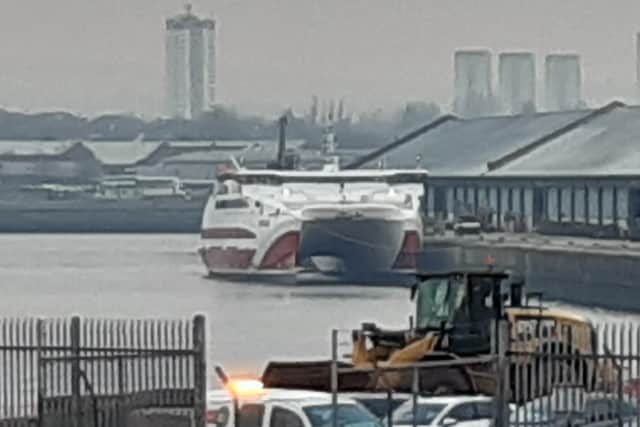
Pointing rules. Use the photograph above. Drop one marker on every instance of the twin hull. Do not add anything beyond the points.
(349, 241)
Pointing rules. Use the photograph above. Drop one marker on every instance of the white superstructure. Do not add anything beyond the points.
(327, 221)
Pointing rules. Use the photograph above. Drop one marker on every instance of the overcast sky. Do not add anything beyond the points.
(95, 56)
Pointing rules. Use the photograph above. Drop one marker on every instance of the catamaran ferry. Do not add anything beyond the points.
(286, 225)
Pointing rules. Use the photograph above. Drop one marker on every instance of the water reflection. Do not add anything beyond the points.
(161, 276)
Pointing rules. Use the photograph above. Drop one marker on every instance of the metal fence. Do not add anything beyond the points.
(98, 372)
(544, 385)
(567, 387)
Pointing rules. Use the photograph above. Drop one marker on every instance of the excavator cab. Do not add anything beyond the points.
(454, 312)
(460, 305)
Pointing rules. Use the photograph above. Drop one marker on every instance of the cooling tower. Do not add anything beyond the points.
(472, 83)
(563, 82)
(517, 82)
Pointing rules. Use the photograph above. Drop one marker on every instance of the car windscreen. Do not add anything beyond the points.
(380, 407)
(426, 413)
(349, 415)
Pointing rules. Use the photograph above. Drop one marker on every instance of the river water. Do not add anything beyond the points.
(144, 276)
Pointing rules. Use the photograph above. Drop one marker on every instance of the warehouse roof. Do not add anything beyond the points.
(466, 146)
(606, 145)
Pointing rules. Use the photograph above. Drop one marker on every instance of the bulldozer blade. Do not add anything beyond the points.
(314, 376)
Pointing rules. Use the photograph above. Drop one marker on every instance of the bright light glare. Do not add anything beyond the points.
(245, 387)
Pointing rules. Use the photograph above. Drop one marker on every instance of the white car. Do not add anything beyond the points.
(378, 403)
(258, 407)
(459, 411)
(467, 224)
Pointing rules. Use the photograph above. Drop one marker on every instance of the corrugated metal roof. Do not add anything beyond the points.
(130, 152)
(465, 146)
(121, 152)
(108, 152)
(251, 151)
(607, 145)
(49, 148)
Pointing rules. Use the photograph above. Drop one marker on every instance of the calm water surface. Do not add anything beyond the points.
(161, 276)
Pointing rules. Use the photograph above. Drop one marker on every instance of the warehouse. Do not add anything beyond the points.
(575, 173)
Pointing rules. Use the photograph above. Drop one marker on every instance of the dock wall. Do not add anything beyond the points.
(606, 279)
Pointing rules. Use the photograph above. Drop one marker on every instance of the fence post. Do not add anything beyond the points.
(415, 390)
(200, 371)
(503, 389)
(40, 373)
(75, 372)
(334, 377)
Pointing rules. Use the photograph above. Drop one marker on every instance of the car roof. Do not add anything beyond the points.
(267, 395)
(453, 400)
(374, 394)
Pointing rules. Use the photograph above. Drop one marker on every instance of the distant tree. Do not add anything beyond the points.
(416, 114)
(221, 123)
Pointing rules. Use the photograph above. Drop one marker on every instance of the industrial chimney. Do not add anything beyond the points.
(472, 83)
(638, 67)
(517, 81)
(563, 82)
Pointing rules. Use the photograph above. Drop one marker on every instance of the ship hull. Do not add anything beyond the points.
(350, 247)
(266, 228)
(327, 252)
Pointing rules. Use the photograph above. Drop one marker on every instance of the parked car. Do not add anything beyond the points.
(596, 411)
(605, 412)
(467, 224)
(378, 402)
(532, 416)
(261, 407)
(459, 411)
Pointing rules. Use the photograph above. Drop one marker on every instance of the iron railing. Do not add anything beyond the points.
(97, 372)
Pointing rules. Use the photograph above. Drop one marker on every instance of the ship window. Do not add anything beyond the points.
(232, 204)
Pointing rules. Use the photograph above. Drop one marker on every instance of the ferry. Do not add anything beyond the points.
(292, 226)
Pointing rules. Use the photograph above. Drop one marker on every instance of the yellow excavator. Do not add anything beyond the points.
(456, 312)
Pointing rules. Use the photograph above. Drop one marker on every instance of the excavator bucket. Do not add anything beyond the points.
(314, 376)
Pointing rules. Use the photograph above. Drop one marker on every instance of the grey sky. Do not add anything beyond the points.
(94, 56)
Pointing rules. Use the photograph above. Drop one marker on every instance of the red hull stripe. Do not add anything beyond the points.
(219, 258)
(227, 233)
(282, 253)
(410, 248)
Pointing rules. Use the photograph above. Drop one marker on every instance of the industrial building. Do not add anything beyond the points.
(563, 82)
(190, 65)
(517, 82)
(26, 162)
(572, 173)
(81, 162)
(472, 83)
(71, 163)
